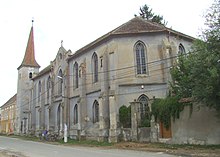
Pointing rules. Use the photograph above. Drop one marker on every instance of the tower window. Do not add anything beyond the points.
(30, 75)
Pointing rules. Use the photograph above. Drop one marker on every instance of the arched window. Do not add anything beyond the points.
(144, 109)
(181, 50)
(76, 75)
(58, 116)
(75, 114)
(48, 87)
(39, 91)
(140, 53)
(95, 67)
(95, 112)
(30, 75)
(60, 82)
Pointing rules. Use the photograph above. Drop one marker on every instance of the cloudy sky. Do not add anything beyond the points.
(77, 23)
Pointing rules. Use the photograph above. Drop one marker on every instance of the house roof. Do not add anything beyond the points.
(29, 57)
(10, 101)
(136, 25)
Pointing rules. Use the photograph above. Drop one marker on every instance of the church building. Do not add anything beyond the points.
(84, 90)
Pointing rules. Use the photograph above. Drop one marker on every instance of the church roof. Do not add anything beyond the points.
(137, 25)
(29, 57)
(43, 72)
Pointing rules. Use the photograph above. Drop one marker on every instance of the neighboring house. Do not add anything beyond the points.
(85, 89)
(8, 111)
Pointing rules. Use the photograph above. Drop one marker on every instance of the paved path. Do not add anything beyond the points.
(38, 149)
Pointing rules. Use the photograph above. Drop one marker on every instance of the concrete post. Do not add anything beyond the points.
(154, 130)
(114, 120)
(65, 133)
(135, 119)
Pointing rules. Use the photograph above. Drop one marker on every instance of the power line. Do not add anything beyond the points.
(43, 93)
(153, 62)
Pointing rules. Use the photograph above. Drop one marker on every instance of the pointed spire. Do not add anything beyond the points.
(29, 57)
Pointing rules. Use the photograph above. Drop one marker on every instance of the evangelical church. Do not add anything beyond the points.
(83, 91)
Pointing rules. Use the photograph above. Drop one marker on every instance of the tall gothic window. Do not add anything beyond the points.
(181, 50)
(60, 82)
(58, 116)
(39, 91)
(75, 114)
(95, 110)
(140, 58)
(48, 87)
(76, 75)
(95, 67)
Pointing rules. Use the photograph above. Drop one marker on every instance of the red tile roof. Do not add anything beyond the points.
(134, 26)
(138, 25)
(29, 57)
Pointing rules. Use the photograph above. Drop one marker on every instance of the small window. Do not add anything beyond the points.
(30, 75)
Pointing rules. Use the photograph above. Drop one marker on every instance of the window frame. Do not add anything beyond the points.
(143, 106)
(141, 59)
(76, 75)
(95, 111)
(75, 115)
(60, 82)
(95, 67)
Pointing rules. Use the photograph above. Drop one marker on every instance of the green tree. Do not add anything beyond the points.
(147, 13)
(125, 116)
(197, 74)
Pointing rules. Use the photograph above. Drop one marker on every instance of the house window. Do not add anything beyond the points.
(95, 110)
(60, 82)
(95, 67)
(75, 114)
(140, 58)
(181, 50)
(76, 75)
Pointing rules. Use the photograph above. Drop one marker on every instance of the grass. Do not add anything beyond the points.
(184, 146)
(92, 143)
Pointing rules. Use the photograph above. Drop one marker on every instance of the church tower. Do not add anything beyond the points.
(26, 71)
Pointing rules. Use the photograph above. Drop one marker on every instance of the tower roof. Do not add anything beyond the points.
(29, 57)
